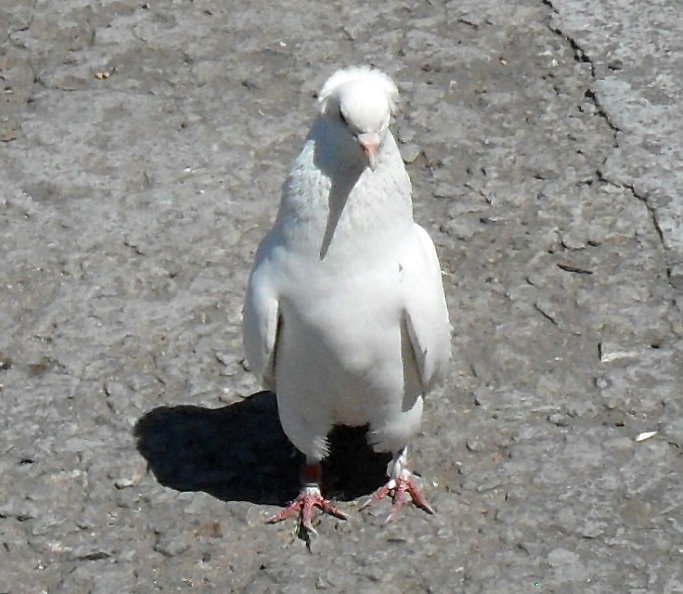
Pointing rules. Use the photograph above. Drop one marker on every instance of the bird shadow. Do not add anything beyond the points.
(240, 453)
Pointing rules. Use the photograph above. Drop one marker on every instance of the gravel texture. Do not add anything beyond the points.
(142, 148)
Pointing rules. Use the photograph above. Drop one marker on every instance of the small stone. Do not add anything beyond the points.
(573, 241)
(226, 358)
(602, 383)
(114, 389)
(676, 276)
(562, 557)
(613, 352)
(592, 529)
(474, 445)
(558, 419)
(410, 152)
(170, 546)
(405, 134)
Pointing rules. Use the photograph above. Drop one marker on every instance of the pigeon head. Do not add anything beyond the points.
(359, 101)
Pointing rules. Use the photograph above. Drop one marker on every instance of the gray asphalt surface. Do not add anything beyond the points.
(142, 149)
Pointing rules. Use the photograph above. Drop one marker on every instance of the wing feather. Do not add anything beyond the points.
(426, 314)
(260, 324)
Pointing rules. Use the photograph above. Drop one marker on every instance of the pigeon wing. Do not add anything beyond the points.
(426, 315)
(260, 324)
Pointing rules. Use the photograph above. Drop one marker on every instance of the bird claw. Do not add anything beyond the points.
(397, 488)
(309, 498)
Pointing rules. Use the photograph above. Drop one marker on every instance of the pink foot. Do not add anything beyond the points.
(308, 499)
(397, 489)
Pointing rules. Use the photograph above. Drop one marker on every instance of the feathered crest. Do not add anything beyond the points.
(355, 73)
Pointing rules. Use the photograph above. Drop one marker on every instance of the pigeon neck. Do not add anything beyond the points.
(332, 202)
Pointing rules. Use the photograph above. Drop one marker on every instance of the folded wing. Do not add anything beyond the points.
(260, 324)
(426, 315)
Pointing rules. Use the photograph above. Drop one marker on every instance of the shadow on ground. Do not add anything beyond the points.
(240, 453)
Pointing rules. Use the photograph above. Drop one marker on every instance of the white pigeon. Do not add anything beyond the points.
(345, 317)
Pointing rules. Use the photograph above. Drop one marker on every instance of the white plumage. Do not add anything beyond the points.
(345, 317)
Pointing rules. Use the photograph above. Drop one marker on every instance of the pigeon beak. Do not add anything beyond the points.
(370, 145)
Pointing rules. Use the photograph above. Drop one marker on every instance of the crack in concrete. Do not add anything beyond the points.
(602, 112)
(655, 223)
(581, 55)
(652, 211)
